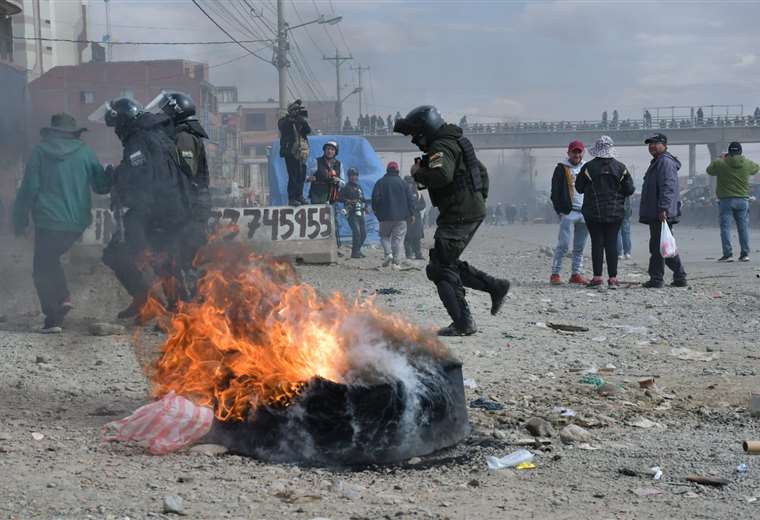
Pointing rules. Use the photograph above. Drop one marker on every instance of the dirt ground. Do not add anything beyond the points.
(66, 387)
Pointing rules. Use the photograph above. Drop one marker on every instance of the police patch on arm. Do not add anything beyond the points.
(137, 158)
(436, 160)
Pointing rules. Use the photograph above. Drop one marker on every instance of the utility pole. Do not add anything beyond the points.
(339, 60)
(360, 69)
(108, 38)
(38, 34)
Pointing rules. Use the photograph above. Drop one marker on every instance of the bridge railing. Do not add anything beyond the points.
(654, 124)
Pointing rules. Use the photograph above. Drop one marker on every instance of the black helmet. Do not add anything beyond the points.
(121, 111)
(334, 144)
(422, 121)
(352, 171)
(178, 106)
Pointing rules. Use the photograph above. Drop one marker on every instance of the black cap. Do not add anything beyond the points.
(735, 148)
(656, 138)
(352, 172)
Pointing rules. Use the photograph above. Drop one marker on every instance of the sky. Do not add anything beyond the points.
(489, 60)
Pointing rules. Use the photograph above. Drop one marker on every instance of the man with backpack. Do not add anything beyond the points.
(294, 148)
(458, 186)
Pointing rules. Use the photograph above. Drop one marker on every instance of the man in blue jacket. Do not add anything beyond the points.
(660, 203)
(393, 203)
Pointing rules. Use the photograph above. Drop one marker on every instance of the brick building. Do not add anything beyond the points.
(81, 89)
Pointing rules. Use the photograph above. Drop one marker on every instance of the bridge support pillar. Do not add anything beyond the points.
(692, 162)
(715, 150)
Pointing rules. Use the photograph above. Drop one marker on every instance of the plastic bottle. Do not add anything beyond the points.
(509, 461)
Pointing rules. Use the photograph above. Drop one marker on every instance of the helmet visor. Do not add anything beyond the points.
(99, 116)
(158, 102)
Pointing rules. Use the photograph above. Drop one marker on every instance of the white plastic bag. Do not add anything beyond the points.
(668, 248)
(509, 461)
(167, 425)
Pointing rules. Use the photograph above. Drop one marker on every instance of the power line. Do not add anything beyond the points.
(228, 34)
(323, 26)
(340, 31)
(67, 40)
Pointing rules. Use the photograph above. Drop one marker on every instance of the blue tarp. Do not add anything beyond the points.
(354, 152)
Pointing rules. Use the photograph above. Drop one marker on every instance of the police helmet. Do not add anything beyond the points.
(352, 172)
(121, 111)
(422, 121)
(178, 106)
(334, 144)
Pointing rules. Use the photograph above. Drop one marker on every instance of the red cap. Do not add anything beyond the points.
(576, 145)
(392, 166)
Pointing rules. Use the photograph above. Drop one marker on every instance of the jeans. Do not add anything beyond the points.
(392, 233)
(574, 224)
(738, 208)
(49, 278)
(656, 262)
(624, 238)
(604, 242)
(358, 232)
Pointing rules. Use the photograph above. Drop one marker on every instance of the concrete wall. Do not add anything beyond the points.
(12, 135)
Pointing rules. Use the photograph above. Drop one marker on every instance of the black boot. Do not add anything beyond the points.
(465, 327)
(134, 308)
(499, 292)
(454, 301)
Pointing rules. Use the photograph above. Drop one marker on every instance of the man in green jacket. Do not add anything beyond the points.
(733, 171)
(56, 191)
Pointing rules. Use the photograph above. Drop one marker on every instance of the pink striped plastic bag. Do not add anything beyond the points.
(167, 425)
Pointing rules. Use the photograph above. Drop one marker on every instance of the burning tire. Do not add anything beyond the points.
(337, 424)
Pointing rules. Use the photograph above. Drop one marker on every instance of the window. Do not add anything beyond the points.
(87, 97)
(248, 150)
(256, 122)
(261, 150)
(247, 176)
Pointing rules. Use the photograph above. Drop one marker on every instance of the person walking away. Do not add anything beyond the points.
(294, 148)
(457, 183)
(624, 236)
(393, 204)
(732, 172)
(354, 202)
(55, 189)
(659, 204)
(605, 184)
(415, 229)
(567, 203)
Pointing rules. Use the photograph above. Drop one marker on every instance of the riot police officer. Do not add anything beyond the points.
(150, 200)
(458, 186)
(189, 135)
(354, 203)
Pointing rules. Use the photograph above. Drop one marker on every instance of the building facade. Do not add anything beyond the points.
(50, 19)
(81, 89)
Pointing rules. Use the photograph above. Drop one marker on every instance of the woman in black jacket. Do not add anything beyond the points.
(605, 183)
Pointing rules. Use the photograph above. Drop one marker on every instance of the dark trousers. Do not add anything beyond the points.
(296, 178)
(656, 262)
(49, 278)
(146, 244)
(413, 237)
(451, 275)
(358, 232)
(604, 237)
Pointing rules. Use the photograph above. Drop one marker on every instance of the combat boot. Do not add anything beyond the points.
(466, 325)
(499, 291)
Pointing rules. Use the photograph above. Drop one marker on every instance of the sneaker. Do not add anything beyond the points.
(726, 258)
(555, 280)
(55, 329)
(64, 308)
(744, 258)
(627, 256)
(578, 278)
(621, 257)
(388, 261)
(294, 202)
(596, 281)
(681, 282)
(653, 284)
(419, 257)
(613, 283)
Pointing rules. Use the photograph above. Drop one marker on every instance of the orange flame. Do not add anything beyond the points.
(255, 335)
